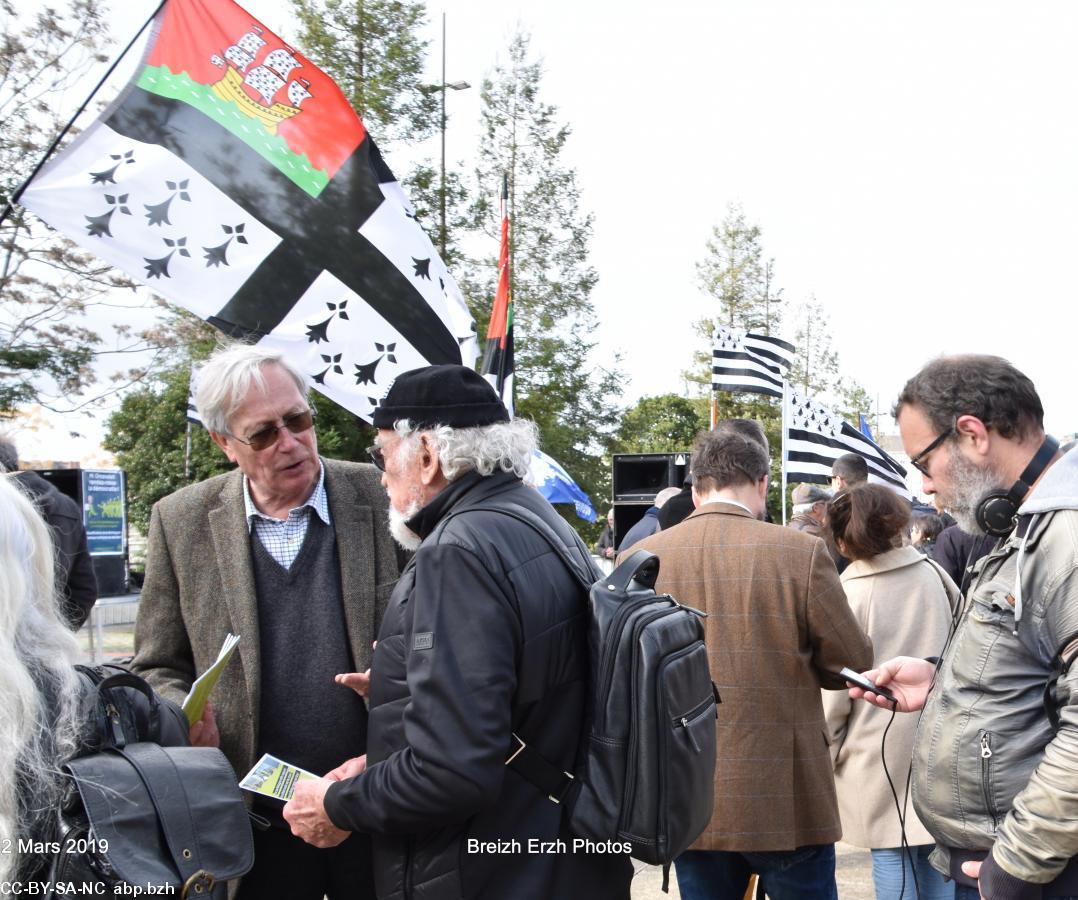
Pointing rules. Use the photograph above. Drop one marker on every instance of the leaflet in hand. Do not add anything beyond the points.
(194, 703)
(272, 778)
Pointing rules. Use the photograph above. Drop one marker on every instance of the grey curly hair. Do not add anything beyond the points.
(504, 446)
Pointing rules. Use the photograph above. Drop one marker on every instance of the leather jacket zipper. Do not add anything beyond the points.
(986, 771)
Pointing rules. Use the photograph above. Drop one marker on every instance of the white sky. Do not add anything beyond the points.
(913, 166)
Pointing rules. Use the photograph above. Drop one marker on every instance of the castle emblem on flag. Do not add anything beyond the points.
(265, 81)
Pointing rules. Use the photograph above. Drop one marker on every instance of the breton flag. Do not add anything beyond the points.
(816, 437)
(232, 176)
(498, 358)
(757, 363)
(192, 392)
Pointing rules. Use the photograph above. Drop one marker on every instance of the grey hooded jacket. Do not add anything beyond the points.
(990, 773)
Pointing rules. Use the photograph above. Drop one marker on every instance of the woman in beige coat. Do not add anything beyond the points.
(904, 602)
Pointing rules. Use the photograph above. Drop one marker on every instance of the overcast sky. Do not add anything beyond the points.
(913, 166)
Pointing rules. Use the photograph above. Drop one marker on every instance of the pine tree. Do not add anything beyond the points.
(735, 274)
(817, 369)
(372, 49)
(571, 400)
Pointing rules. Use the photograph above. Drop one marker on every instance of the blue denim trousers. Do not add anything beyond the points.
(888, 866)
(807, 873)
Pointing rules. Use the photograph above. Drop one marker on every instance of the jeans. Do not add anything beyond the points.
(887, 870)
(807, 873)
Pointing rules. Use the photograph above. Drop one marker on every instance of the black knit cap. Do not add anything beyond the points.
(441, 395)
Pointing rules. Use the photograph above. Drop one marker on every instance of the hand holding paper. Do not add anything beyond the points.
(195, 702)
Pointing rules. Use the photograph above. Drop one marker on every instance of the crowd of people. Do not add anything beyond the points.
(401, 626)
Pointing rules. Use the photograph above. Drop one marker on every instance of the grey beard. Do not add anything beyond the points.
(402, 534)
(969, 483)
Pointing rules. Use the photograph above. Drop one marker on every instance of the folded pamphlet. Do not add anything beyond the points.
(194, 703)
(272, 778)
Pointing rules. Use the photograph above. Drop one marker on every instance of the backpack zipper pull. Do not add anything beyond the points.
(689, 734)
(117, 728)
(986, 751)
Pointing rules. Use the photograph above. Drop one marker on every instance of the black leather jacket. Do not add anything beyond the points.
(75, 578)
(484, 635)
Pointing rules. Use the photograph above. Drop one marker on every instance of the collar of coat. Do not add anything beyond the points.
(725, 507)
(469, 487)
(897, 558)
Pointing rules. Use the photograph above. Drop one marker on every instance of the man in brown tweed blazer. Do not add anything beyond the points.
(292, 553)
(778, 629)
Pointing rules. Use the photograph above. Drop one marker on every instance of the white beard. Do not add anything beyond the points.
(969, 483)
(402, 534)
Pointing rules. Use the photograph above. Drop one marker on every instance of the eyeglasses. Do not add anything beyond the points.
(267, 437)
(918, 462)
(377, 457)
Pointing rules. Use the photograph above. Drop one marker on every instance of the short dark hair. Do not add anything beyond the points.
(851, 468)
(867, 518)
(931, 524)
(987, 387)
(726, 457)
(9, 455)
(748, 428)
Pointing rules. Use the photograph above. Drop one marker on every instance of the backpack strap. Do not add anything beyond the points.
(527, 762)
(538, 771)
(169, 796)
(526, 516)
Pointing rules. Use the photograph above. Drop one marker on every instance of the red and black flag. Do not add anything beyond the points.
(233, 177)
(498, 358)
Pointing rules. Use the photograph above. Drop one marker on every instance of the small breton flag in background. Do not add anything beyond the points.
(756, 363)
(192, 390)
(816, 437)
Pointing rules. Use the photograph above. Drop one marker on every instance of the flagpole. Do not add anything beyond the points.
(509, 298)
(187, 453)
(56, 143)
(785, 451)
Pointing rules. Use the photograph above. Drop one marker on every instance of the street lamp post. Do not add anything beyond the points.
(454, 86)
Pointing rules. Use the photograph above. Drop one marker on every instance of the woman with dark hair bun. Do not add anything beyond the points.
(903, 601)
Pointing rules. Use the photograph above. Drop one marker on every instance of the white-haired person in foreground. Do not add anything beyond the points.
(38, 687)
(484, 638)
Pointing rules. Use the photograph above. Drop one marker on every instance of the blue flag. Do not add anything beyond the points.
(864, 427)
(556, 486)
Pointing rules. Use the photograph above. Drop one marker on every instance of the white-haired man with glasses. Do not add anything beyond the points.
(289, 551)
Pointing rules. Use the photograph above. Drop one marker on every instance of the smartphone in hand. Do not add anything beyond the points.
(860, 681)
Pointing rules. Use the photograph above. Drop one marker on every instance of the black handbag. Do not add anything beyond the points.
(167, 820)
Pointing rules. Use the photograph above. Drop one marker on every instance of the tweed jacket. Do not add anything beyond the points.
(200, 586)
(904, 601)
(778, 628)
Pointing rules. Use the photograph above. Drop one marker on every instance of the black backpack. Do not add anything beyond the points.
(145, 812)
(644, 776)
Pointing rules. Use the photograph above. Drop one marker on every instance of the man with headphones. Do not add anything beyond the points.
(995, 768)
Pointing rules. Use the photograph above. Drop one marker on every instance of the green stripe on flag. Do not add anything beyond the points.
(271, 147)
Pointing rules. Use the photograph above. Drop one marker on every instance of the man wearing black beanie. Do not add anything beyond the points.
(484, 637)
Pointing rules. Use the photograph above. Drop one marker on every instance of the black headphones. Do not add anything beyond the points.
(997, 510)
